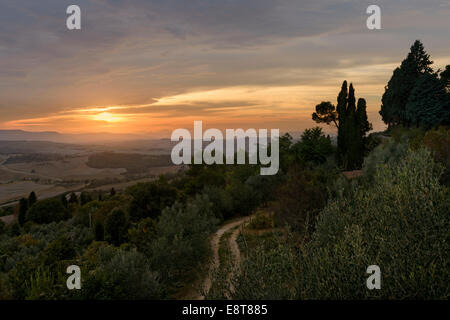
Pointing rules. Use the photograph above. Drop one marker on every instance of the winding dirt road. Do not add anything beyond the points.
(215, 262)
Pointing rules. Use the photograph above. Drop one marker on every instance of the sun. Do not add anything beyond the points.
(107, 117)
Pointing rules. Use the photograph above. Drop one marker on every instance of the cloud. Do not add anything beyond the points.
(136, 52)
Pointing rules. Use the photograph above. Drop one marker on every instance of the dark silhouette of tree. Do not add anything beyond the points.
(23, 208)
(363, 127)
(402, 82)
(352, 124)
(314, 146)
(32, 199)
(341, 109)
(361, 115)
(326, 113)
(112, 192)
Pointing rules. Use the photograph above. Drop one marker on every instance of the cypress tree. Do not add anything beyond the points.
(341, 109)
(32, 199)
(364, 126)
(351, 132)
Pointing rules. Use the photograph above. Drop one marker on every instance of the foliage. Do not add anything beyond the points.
(121, 275)
(32, 199)
(47, 211)
(116, 227)
(300, 200)
(314, 146)
(149, 199)
(428, 103)
(23, 208)
(180, 242)
(402, 82)
(326, 113)
(438, 142)
(399, 223)
(269, 272)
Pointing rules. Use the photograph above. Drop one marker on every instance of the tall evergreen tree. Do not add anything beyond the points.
(341, 109)
(32, 199)
(352, 124)
(361, 115)
(401, 84)
(351, 133)
(363, 127)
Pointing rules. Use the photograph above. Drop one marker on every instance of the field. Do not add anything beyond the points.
(51, 169)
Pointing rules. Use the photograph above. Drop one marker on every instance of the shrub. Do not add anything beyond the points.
(121, 275)
(438, 142)
(181, 233)
(269, 273)
(399, 223)
(300, 200)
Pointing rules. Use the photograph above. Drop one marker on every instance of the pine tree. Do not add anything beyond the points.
(429, 102)
(401, 84)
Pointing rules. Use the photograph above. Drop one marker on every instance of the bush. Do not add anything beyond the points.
(399, 223)
(121, 275)
(47, 211)
(300, 200)
(181, 233)
(268, 273)
(438, 142)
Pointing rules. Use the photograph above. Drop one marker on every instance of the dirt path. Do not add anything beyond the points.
(215, 262)
(236, 255)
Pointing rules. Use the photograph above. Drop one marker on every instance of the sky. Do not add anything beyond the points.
(151, 66)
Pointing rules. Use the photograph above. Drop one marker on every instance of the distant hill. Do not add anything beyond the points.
(20, 135)
(52, 136)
